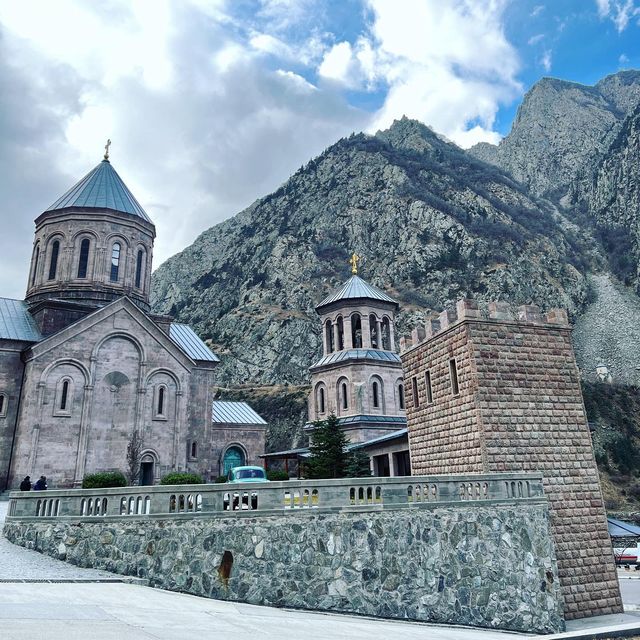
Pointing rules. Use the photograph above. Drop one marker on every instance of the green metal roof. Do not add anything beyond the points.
(101, 188)
(377, 355)
(356, 288)
(16, 322)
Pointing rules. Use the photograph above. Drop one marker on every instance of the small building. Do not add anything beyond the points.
(238, 436)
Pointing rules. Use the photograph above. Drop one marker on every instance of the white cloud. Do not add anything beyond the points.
(545, 60)
(620, 12)
(446, 64)
(535, 39)
(337, 63)
(623, 59)
(537, 10)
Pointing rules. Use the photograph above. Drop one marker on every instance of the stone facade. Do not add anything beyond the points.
(428, 564)
(516, 406)
(359, 377)
(84, 367)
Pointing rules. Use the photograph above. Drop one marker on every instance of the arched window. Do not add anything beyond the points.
(386, 334)
(233, 457)
(373, 331)
(356, 331)
(83, 261)
(64, 396)
(140, 269)
(36, 260)
(115, 262)
(320, 399)
(401, 396)
(53, 263)
(328, 328)
(3, 405)
(161, 399)
(340, 323)
(375, 392)
(344, 393)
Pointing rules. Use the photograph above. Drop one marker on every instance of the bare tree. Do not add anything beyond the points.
(134, 449)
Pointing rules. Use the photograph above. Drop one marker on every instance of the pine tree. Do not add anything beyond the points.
(358, 464)
(328, 450)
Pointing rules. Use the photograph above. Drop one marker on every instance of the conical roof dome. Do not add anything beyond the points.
(357, 288)
(101, 188)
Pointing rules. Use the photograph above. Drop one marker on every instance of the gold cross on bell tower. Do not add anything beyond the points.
(355, 258)
(106, 149)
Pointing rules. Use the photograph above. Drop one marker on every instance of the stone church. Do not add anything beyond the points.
(84, 364)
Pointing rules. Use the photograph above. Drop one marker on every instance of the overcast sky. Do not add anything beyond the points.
(211, 104)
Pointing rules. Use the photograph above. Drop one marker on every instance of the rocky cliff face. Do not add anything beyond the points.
(432, 222)
(562, 129)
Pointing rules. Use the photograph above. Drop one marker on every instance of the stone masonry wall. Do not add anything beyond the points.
(438, 565)
(528, 413)
(444, 436)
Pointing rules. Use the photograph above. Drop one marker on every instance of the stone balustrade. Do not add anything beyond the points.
(272, 498)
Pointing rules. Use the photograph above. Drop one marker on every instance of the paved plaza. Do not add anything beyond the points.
(109, 609)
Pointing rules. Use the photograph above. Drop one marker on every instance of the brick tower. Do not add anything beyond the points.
(503, 394)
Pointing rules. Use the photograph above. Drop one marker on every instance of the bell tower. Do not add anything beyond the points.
(359, 376)
(92, 245)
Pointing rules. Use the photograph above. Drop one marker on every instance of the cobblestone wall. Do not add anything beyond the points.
(490, 565)
(527, 414)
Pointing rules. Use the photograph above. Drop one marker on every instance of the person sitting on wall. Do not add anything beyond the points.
(25, 485)
(41, 485)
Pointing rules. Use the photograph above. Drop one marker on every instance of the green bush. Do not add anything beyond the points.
(275, 475)
(221, 479)
(181, 478)
(104, 480)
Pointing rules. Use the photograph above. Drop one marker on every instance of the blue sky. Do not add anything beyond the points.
(211, 104)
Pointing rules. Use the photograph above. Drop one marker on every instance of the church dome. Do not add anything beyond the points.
(102, 188)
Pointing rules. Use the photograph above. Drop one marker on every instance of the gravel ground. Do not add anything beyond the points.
(17, 563)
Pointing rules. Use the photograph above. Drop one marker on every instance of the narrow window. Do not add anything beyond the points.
(84, 258)
(373, 331)
(453, 372)
(194, 449)
(329, 336)
(115, 262)
(401, 396)
(376, 395)
(345, 400)
(427, 384)
(36, 259)
(65, 395)
(139, 265)
(160, 401)
(386, 334)
(321, 400)
(2, 403)
(340, 334)
(414, 389)
(356, 331)
(53, 265)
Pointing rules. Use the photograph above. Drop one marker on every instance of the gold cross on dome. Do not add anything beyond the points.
(106, 149)
(355, 258)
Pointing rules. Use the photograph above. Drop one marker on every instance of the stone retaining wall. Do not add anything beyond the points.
(486, 564)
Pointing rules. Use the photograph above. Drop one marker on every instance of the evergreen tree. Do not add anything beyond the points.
(328, 450)
(358, 464)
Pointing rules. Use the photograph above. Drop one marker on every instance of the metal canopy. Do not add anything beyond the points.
(356, 288)
(227, 412)
(189, 341)
(101, 188)
(16, 322)
(377, 355)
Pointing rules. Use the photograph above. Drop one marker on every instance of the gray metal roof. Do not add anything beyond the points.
(394, 435)
(187, 339)
(358, 354)
(621, 529)
(101, 188)
(227, 412)
(16, 322)
(357, 288)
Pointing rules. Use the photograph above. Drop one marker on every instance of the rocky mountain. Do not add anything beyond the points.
(432, 222)
(562, 130)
